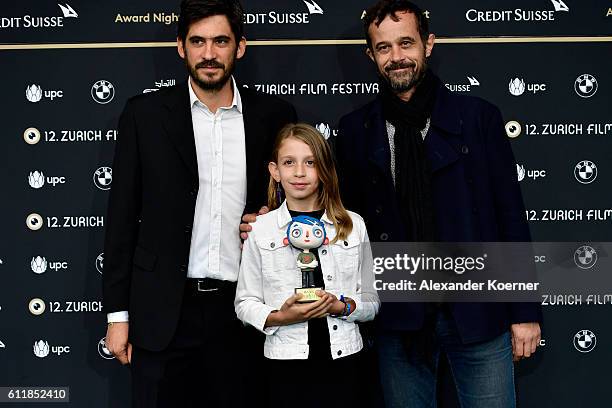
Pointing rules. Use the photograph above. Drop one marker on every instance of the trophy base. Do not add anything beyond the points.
(308, 294)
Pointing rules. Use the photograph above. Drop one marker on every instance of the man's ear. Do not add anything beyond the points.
(429, 45)
(180, 47)
(241, 49)
(273, 169)
(370, 54)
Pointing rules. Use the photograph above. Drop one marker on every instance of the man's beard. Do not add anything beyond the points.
(210, 85)
(408, 80)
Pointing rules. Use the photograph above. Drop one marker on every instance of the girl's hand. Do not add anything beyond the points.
(336, 307)
(294, 312)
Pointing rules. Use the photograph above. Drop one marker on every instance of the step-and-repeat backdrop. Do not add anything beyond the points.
(67, 69)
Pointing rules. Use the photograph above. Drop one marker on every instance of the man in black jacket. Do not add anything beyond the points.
(190, 160)
(422, 164)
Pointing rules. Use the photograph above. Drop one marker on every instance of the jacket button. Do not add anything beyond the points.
(379, 209)
(183, 268)
(193, 192)
(335, 327)
(384, 236)
(374, 180)
(187, 229)
(329, 277)
(339, 352)
(324, 252)
(272, 245)
(464, 149)
(345, 243)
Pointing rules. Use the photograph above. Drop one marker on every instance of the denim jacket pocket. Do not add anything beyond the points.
(346, 255)
(277, 262)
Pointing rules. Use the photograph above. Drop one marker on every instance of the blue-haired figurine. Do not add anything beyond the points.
(306, 233)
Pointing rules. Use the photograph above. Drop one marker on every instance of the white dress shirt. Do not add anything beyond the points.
(221, 155)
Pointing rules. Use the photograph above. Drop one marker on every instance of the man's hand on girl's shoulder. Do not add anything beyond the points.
(248, 219)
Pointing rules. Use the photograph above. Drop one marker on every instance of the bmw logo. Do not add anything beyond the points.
(585, 257)
(100, 263)
(585, 341)
(103, 177)
(585, 172)
(103, 351)
(102, 92)
(585, 85)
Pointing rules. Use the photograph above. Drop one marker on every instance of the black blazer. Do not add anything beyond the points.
(475, 192)
(152, 203)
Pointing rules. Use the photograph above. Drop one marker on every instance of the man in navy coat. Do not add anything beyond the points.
(423, 164)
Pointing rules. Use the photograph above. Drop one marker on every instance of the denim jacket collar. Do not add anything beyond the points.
(284, 217)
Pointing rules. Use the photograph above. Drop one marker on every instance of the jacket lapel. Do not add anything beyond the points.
(178, 125)
(254, 139)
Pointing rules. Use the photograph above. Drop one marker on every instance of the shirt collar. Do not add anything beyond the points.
(284, 217)
(236, 101)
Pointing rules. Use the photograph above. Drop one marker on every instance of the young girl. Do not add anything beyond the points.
(311, 349)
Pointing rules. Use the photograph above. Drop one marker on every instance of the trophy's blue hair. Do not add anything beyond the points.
(305, 219)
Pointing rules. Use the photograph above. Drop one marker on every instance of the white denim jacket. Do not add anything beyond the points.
(269, 275)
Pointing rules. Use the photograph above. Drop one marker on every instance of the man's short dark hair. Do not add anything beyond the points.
(195, 10)
(378, 12)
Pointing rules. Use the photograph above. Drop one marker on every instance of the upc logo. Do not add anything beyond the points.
(520, 170)
(516, 86)
(324, 129)
(38, 264)
(36, 179)
(34, 93)
(41, 348)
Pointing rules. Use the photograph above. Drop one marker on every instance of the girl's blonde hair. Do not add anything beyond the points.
(329, 191)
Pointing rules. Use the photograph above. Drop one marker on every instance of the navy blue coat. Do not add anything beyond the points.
(476, 196)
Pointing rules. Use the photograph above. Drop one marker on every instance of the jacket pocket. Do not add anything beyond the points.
(144, 259)
(346, 255)
(278, 263)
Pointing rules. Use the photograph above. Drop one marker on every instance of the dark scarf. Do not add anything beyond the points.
(412, 172)
(413, 181)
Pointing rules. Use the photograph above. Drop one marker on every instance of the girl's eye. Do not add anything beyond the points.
(295, 233)
(287, 162)
(310, 162)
